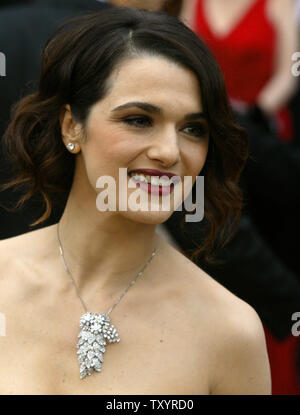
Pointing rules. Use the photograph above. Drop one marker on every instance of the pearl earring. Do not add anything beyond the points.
(71, 146)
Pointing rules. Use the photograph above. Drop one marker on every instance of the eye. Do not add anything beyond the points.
(140, 121)
(197, 130)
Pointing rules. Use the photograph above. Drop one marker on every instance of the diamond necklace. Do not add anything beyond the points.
(96, 329)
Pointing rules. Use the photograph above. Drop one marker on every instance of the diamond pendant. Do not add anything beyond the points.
(96, 331)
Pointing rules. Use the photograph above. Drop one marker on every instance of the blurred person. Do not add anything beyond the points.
(253, 40)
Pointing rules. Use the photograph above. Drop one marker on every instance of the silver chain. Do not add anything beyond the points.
(75, 286)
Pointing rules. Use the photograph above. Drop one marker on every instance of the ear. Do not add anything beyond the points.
(70, 129)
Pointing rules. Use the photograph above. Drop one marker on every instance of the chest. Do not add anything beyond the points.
(152, 357)
(224, 15)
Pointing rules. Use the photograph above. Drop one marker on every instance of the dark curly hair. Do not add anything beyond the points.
(76, 64)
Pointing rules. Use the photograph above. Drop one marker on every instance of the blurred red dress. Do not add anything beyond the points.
(246, 55)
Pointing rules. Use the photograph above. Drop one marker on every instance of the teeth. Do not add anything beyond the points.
(155, 181)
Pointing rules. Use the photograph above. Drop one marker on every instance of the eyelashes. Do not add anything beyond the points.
(139, 122)
(196, 129)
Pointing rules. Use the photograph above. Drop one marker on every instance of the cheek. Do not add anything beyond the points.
(203, 156)
(106, 151)
(197, 158)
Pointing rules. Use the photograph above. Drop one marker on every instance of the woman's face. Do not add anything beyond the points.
(151, 118)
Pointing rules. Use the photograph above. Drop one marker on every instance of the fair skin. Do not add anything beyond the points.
(223, 15)
(181, 332)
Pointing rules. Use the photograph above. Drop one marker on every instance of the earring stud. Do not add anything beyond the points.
(71, 146)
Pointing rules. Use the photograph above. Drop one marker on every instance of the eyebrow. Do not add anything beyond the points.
(156, 110)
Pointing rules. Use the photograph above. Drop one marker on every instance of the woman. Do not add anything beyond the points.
(133, 90)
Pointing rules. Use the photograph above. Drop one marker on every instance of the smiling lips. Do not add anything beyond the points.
(154, 185)
(154, 189)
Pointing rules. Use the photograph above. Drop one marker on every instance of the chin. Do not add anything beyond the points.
(148, 218)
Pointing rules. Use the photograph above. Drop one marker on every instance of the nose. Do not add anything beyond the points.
(164, 147)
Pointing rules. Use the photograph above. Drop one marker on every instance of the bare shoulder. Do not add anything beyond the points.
(10, 252)
(22, 252)
(243, 363)
(234, 332)
(25, 243)
(195, 283)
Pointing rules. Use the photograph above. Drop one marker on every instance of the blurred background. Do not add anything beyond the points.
(253, 41)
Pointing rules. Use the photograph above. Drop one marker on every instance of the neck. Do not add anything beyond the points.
(103, 250)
